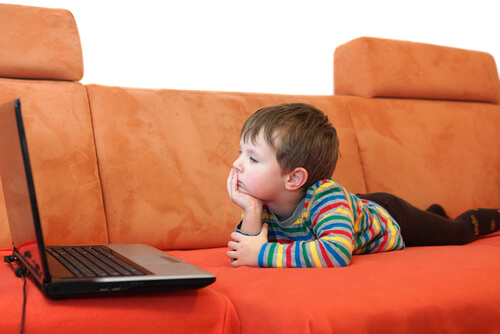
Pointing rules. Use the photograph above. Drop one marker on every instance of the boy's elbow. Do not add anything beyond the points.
(342, 262)
(338, 254)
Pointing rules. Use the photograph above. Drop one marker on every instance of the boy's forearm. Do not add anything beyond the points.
(301, 254)
(252, 221)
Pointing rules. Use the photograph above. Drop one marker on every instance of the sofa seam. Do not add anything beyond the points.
(108, 239)
(348, 107)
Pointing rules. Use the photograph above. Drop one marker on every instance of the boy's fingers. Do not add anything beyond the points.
(231, 254)
(264, 229)
(236, 236)
(231, 183)
(233, 245)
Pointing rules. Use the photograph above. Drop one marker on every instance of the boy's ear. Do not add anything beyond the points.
(296, 179)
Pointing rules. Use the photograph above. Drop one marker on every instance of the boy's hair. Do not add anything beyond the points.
(302, 136)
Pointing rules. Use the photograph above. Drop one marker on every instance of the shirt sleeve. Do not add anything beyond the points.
(331, 245)
(238, 229)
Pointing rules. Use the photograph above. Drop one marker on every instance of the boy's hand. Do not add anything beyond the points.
(245, 249)
(252, 206)
(241, 199)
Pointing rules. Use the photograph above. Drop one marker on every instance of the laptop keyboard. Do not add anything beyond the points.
(92, 261)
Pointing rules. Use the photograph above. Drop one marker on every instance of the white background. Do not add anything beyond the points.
(259, 45)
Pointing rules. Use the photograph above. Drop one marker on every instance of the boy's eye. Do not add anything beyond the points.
(253, 159)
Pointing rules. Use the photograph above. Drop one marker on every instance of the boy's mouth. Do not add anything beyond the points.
(240, 185)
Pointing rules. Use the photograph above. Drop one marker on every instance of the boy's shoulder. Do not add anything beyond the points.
(323, 187)
(324, 184)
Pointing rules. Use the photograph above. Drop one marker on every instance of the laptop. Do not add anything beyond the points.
(62, 271)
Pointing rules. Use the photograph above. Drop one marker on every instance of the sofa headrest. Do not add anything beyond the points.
(375, 67)
(39, 43)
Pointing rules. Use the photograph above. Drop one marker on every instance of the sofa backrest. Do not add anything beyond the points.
(426, 119)
(375, 67)
(164, 157)
(39, 43)
(43, 44)
(156, 172)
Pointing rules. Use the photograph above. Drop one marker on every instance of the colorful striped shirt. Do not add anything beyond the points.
(328, 226)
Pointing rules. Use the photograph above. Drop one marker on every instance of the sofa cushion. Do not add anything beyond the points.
(447, 289)
(190, 311)
(430, 151)
(164, 157)
(39, 43)
(62, 153)
(373, 67)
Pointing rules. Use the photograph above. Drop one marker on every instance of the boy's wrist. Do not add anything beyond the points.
(247, 232)
(252, 220)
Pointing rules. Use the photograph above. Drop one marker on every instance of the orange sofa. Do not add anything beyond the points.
(119, 165)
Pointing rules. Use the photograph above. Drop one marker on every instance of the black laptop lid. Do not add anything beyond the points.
(19, 191)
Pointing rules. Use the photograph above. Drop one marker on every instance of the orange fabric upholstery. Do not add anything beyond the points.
(62, 152)
(164, 157)
(430, 152)
(48, 41)
(194, 311)
(114, 164)
(418, 290)
(374, 67)
(42, 43)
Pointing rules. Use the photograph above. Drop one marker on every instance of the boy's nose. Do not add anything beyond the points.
(237, 165)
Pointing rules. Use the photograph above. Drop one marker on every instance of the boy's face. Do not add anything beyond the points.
(259, 174)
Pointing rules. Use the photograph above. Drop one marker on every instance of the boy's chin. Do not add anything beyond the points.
(246, 192)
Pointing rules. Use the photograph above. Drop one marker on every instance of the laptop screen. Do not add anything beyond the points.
(18, 188)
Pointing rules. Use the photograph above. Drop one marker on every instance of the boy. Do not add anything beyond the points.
(294, 215)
